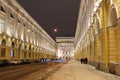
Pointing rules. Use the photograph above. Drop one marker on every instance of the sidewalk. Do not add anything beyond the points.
(74, 70)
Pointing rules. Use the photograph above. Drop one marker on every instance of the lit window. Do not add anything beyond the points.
(11, 29)
(12, 53)
(1, 25)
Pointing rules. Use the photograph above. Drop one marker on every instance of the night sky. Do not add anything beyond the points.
(54, 14)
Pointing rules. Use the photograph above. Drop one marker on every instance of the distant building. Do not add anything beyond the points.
(65, 47)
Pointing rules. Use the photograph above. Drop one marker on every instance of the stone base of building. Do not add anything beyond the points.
(97, 65)
(114, 68)
(91, 63)
(100, 66)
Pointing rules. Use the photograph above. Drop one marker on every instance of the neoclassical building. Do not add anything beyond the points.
(21, 37)
(65, 47)
(98, 34)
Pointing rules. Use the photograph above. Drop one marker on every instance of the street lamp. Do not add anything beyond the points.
(55, 30)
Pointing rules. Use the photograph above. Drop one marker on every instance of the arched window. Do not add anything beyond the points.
(12, 51)
(25, 47)
(113, 17)
(2, 8)
(97, 26)
(13, 45)
(3, 42)
(36, 49)
(29, 54)
(3, 51)
(18, 21)
(30, 48)
(11, 16)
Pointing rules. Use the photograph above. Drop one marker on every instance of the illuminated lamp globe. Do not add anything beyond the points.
(55, 30)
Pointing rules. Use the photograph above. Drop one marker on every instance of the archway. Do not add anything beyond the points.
(30, 47)
(12, 50)
(97, 34)
(3, 48)
(13, 45)
(19, 52)
(25, 51)
(112, 18)
(113, 32)
(3, 43)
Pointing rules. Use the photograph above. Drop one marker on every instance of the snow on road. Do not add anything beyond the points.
(73, 70)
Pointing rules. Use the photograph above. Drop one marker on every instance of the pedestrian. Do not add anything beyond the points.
(86, 60)
(81, 60)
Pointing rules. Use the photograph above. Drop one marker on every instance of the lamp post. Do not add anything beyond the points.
(55, 32)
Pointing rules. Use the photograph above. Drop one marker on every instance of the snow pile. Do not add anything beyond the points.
(73, 70)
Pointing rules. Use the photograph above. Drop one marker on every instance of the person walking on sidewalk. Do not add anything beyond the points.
(86, 60)
(81, 60)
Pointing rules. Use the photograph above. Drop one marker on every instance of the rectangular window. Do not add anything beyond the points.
(1, 25)
(11, 29)
(12, 53)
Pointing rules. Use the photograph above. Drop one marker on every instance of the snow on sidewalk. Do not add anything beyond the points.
(73, 70)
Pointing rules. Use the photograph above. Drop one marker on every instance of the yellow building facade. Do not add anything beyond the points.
(21, 37)
(98, 34)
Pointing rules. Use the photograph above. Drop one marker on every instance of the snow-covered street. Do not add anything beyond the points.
(74, 70)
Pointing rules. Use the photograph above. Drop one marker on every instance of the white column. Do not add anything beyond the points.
(15, 33)
(22, 31)
(7, 21)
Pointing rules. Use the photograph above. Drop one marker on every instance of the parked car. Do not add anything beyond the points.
(4, 63)
(26, 61)
(37, 61)
(15, 62)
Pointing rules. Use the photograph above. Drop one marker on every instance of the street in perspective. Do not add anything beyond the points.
(59, 39)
